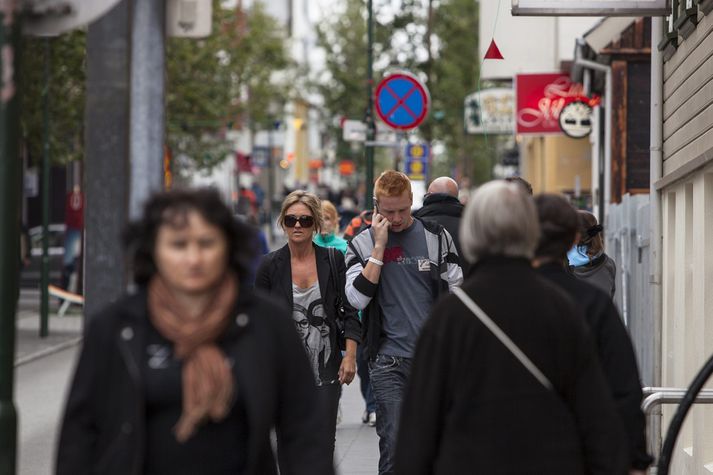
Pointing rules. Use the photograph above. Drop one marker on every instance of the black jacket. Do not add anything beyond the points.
(616, 356)
(103, 431)
(446, 210)
(471, 407)
(274, 276)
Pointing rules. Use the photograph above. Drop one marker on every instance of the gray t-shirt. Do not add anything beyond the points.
(313, 330)
(405, 293)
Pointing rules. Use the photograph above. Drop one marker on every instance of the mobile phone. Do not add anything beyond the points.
(376, 206)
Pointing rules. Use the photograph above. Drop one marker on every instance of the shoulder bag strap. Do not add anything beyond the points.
(504, 339)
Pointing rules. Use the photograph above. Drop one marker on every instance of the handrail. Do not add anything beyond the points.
(655, 397)
(673, 396)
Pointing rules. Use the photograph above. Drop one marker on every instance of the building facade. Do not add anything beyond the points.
(687, 207)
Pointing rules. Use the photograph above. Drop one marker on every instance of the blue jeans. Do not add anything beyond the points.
(364, 383)
(389, 375)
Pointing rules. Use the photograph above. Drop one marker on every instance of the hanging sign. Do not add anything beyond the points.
(591, 7)
(576, 119)
(539, 100)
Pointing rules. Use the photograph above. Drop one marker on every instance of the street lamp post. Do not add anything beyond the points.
(9, 223)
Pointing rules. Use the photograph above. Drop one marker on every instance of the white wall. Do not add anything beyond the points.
(529, 44)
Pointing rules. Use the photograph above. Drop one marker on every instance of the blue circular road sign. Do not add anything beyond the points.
(402, 101)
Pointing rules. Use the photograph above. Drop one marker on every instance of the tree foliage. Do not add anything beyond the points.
(223, 81)
(400, 33)
(66, 95)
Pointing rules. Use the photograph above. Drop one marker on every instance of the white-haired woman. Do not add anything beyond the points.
(487, 412)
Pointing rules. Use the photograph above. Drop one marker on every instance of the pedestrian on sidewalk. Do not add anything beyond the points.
(474, 403)
(397, 269)
(587, 259)
(441, 205)
(190, 373)
(327, 237)
(356, 226)
(299, 276)
(560, 230)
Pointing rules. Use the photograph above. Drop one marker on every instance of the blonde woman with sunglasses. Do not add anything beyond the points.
(299, 275)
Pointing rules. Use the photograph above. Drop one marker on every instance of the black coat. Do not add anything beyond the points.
(104, 430)
(446, 210)
(471, 407)
(274, 276)
(616, 356)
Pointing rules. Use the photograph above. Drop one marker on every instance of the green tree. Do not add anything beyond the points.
(223, 81)
(67, 92)
(401, 42)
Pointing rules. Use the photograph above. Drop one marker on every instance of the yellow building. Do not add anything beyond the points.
(556, 163)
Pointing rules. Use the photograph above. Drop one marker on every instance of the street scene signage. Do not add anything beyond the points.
(576, 119)
(539, 100)
(591, 7)
(490, 111)
(402, 101)
(417, 160)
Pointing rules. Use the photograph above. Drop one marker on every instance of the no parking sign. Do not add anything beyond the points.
(402, 101)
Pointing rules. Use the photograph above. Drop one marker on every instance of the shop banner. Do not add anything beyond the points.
(539, 100)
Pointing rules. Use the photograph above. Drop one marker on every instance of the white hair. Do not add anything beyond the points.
(500, 219)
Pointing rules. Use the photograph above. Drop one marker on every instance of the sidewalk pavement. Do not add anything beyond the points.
(63, 332)
(357, 447)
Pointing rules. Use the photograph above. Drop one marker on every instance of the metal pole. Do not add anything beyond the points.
(44, 279)
(370, 125)
(147, 102)
(656, 217)
(106, 171)
(270, 181)
(9, 223)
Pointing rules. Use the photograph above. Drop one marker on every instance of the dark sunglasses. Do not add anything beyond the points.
(305, 221)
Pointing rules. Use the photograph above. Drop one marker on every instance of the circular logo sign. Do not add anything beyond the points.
(576, 119)
(402, 101)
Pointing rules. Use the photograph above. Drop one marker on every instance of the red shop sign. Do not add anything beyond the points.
(540, 99)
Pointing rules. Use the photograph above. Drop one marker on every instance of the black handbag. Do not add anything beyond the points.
(339, 285)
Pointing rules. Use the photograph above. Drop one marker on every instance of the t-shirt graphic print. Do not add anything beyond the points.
(313, 329)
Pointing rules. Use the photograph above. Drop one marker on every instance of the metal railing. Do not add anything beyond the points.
(654, 397)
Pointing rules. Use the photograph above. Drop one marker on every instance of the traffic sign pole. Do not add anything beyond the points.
(370, 125)
(10, 224)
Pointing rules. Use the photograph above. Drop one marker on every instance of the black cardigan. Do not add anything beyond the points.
(274, 276)
(616, 356)
(471, 407)
(104, 423)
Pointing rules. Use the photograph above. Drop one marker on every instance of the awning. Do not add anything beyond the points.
(606, 31)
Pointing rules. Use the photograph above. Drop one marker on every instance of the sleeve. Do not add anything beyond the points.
(79, 431)
(302, 438)
(600, 428)
(262, 276)
(352, 324)
(420, 430)
(454, 272)
(359, 291)
(618, 361)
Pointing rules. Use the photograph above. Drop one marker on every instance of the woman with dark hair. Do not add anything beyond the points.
(587, 259)
(301, 276)
(560, 229)
(189, 374)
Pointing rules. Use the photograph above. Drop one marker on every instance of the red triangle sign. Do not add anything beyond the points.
(493, 51)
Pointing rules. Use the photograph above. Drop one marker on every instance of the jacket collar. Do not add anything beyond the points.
(283, 269)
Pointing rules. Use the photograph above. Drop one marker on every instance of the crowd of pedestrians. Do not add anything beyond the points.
(484, 336)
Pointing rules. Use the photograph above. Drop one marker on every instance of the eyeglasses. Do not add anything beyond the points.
(305, 221)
